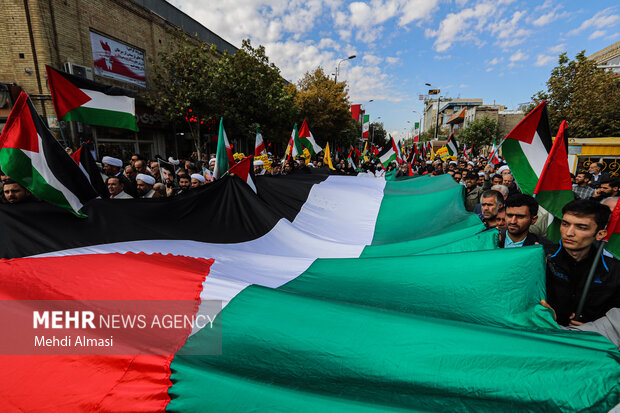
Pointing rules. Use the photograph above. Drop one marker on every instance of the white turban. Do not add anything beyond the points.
(453, 163)
(198, 177)
(258, 163)
(173, 161)
(147, 179)
(212, 160)
(112, 161)
(503, 168)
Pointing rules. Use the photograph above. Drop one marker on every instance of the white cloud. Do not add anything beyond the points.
(463, 86)
(559, 48)
(596, 34)
(494, 61)
(518, 56)
(550, 17)
(489, 69)
(413, 10)
(327, 43)
(468, 24)
(544, 60)
(392, 60)
(604, 19)
(442, 57)
(460, 3)
(372, 59)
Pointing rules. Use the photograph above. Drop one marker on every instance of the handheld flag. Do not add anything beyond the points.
(555, 187)
(223, 155)
(244, 169)
(31, 156)
(526, 148)
(327, 158)
(294, 147)
(307, 140)
(452, 146)
(366, 127)
(85, 161)
(388, 154)
(613, 232)
(82, 100)
(259, 145)
(493, 157)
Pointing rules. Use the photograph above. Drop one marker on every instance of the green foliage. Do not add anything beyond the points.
(325, 104)
(430, 134)
(244, 88)
(378, 134)
(480, 132)
(586, 97)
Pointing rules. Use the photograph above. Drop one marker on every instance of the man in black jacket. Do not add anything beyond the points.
(521, 213)
(583, 226)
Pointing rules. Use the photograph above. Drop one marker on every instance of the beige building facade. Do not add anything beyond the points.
(75, 36)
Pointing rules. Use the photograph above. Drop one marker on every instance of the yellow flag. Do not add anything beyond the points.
(327, 159)
(306, 155)
(366, 152)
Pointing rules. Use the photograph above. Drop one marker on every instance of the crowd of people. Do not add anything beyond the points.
(490, 192)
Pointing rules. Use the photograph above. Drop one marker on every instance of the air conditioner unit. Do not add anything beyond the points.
(79, 70)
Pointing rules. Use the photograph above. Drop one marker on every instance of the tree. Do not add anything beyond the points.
(325, 104)
(251, 92)
(479, 133)
(379, 135)
(195, 83)
(183, 84)
(586, 97)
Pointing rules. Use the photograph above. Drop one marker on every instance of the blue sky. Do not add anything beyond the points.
(501, 50)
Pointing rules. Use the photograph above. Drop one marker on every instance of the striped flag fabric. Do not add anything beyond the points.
(82, 100)
(527, 147)
(259, 145)
(307, 140)
(388, 154)
(494, 157)
(613, 232)
(244, 169)
(84, 159)
(294, 147)
(223, 155)
(324, 306)
(555, 186)
(452, 146)
(366, 127)
(31, 156)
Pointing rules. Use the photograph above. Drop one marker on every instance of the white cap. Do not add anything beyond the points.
(429, 162)
(198, 177)
(147, 179)
(258, 163)
(173, 161)
(480, 173)
(112, 161)
(212, 160)
(470, 163)
(453, 162)
(503, 168)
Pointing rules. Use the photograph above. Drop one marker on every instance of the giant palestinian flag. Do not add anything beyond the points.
(526, 148)
(31, 155)
(327, 302)
(83, 100)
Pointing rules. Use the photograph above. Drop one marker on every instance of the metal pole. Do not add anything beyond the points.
(586, 287)
(437, 120)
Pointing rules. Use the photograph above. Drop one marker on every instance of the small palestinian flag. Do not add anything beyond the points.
(307, 140)
(245, 170)
(294, 148)
(452, 146)
(526, 148)
(84, 159)
(555, 187)
(82, 100)
(388, 154)
(31, 155)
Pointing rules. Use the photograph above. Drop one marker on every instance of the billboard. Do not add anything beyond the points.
(117, 60)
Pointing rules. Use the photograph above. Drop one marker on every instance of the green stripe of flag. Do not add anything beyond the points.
(102, 117)
(519, 166)
(15, 163)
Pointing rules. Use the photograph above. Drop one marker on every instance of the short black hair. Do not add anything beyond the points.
(519, 200)
(584, 207)
(501, 178)
(115, 177)
(499, 198)
(11, 181)
(586, 175)
(471, 175)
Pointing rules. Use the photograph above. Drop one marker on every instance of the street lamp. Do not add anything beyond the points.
(338, 66)
(372, 135)
(438, 103)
